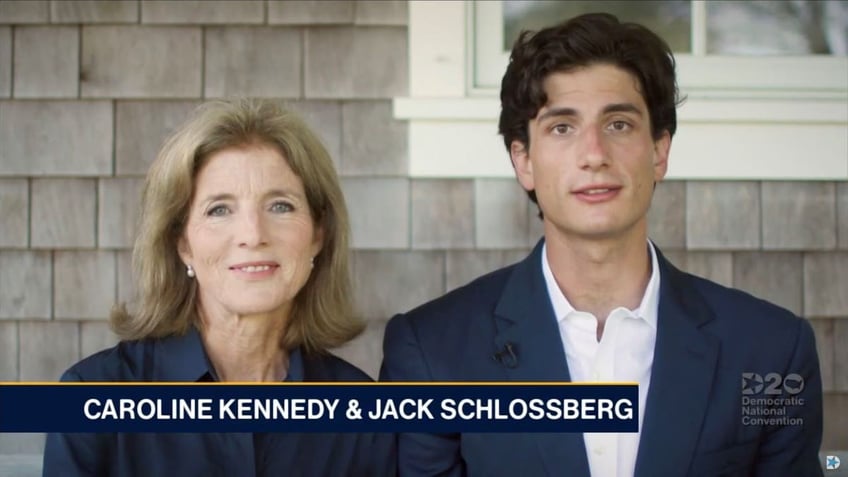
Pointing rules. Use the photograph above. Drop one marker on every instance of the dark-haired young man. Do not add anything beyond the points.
(588, 114)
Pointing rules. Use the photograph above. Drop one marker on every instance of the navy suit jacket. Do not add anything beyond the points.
(183, 359)
(707, 337)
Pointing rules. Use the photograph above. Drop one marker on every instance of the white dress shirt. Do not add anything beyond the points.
(624, 353)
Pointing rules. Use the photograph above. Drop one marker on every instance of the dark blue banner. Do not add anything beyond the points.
(299, 407)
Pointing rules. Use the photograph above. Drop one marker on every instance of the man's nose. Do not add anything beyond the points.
(593, 153)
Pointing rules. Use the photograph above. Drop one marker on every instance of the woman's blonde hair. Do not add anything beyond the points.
(322, 315)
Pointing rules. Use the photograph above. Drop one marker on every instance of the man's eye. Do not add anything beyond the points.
(561, 128)
(218, 211)
(281, 207)
(619, 126)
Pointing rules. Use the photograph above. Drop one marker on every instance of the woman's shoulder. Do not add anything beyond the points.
(328, 367)
(121, 362)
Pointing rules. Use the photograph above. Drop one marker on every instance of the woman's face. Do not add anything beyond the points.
(250, 236)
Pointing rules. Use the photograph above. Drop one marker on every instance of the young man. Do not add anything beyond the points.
(588, 114)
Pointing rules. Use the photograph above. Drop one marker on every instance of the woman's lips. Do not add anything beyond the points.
(255, 269)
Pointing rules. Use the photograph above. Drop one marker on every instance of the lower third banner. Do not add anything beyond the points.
(325, 407)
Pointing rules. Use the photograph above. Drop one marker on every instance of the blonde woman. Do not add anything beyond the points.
(242, 268)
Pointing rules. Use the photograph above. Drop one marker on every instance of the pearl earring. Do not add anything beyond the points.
(312, 262)
(189, 271)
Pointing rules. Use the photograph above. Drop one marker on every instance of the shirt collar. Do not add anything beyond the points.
(295, 372)
(183, 359)
(648, 307)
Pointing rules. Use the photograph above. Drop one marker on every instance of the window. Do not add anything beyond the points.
(805, 39)
(671, 19)
(729, 27)
(768, 101)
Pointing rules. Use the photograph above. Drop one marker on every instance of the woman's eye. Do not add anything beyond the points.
(281, 207)
(218, 211)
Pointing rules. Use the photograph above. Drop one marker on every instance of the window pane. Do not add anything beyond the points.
(779, 27)
(671, 19)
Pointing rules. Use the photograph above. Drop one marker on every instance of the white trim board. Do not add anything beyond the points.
(721, 140)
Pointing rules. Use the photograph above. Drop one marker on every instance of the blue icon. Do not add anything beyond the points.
(832, 462)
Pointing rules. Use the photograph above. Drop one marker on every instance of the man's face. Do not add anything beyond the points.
(592, 160)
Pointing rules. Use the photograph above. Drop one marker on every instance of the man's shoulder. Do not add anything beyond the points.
(449, 338)
(457, 323)
(739, 310)
(480, 295)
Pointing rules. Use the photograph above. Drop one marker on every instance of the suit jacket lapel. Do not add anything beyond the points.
(525, 322)
(681, 378)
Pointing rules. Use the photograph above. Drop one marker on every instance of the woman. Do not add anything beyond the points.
(242, 269)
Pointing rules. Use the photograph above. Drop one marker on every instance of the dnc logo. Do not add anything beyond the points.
(771, 384)
(832, 462)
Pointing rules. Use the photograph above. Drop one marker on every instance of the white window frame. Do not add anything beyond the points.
(753, 124)
(699, 74)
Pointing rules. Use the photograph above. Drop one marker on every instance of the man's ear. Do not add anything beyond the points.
(662, 146)
(520, 157)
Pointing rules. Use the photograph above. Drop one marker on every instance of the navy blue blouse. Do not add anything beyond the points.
(183, 359)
